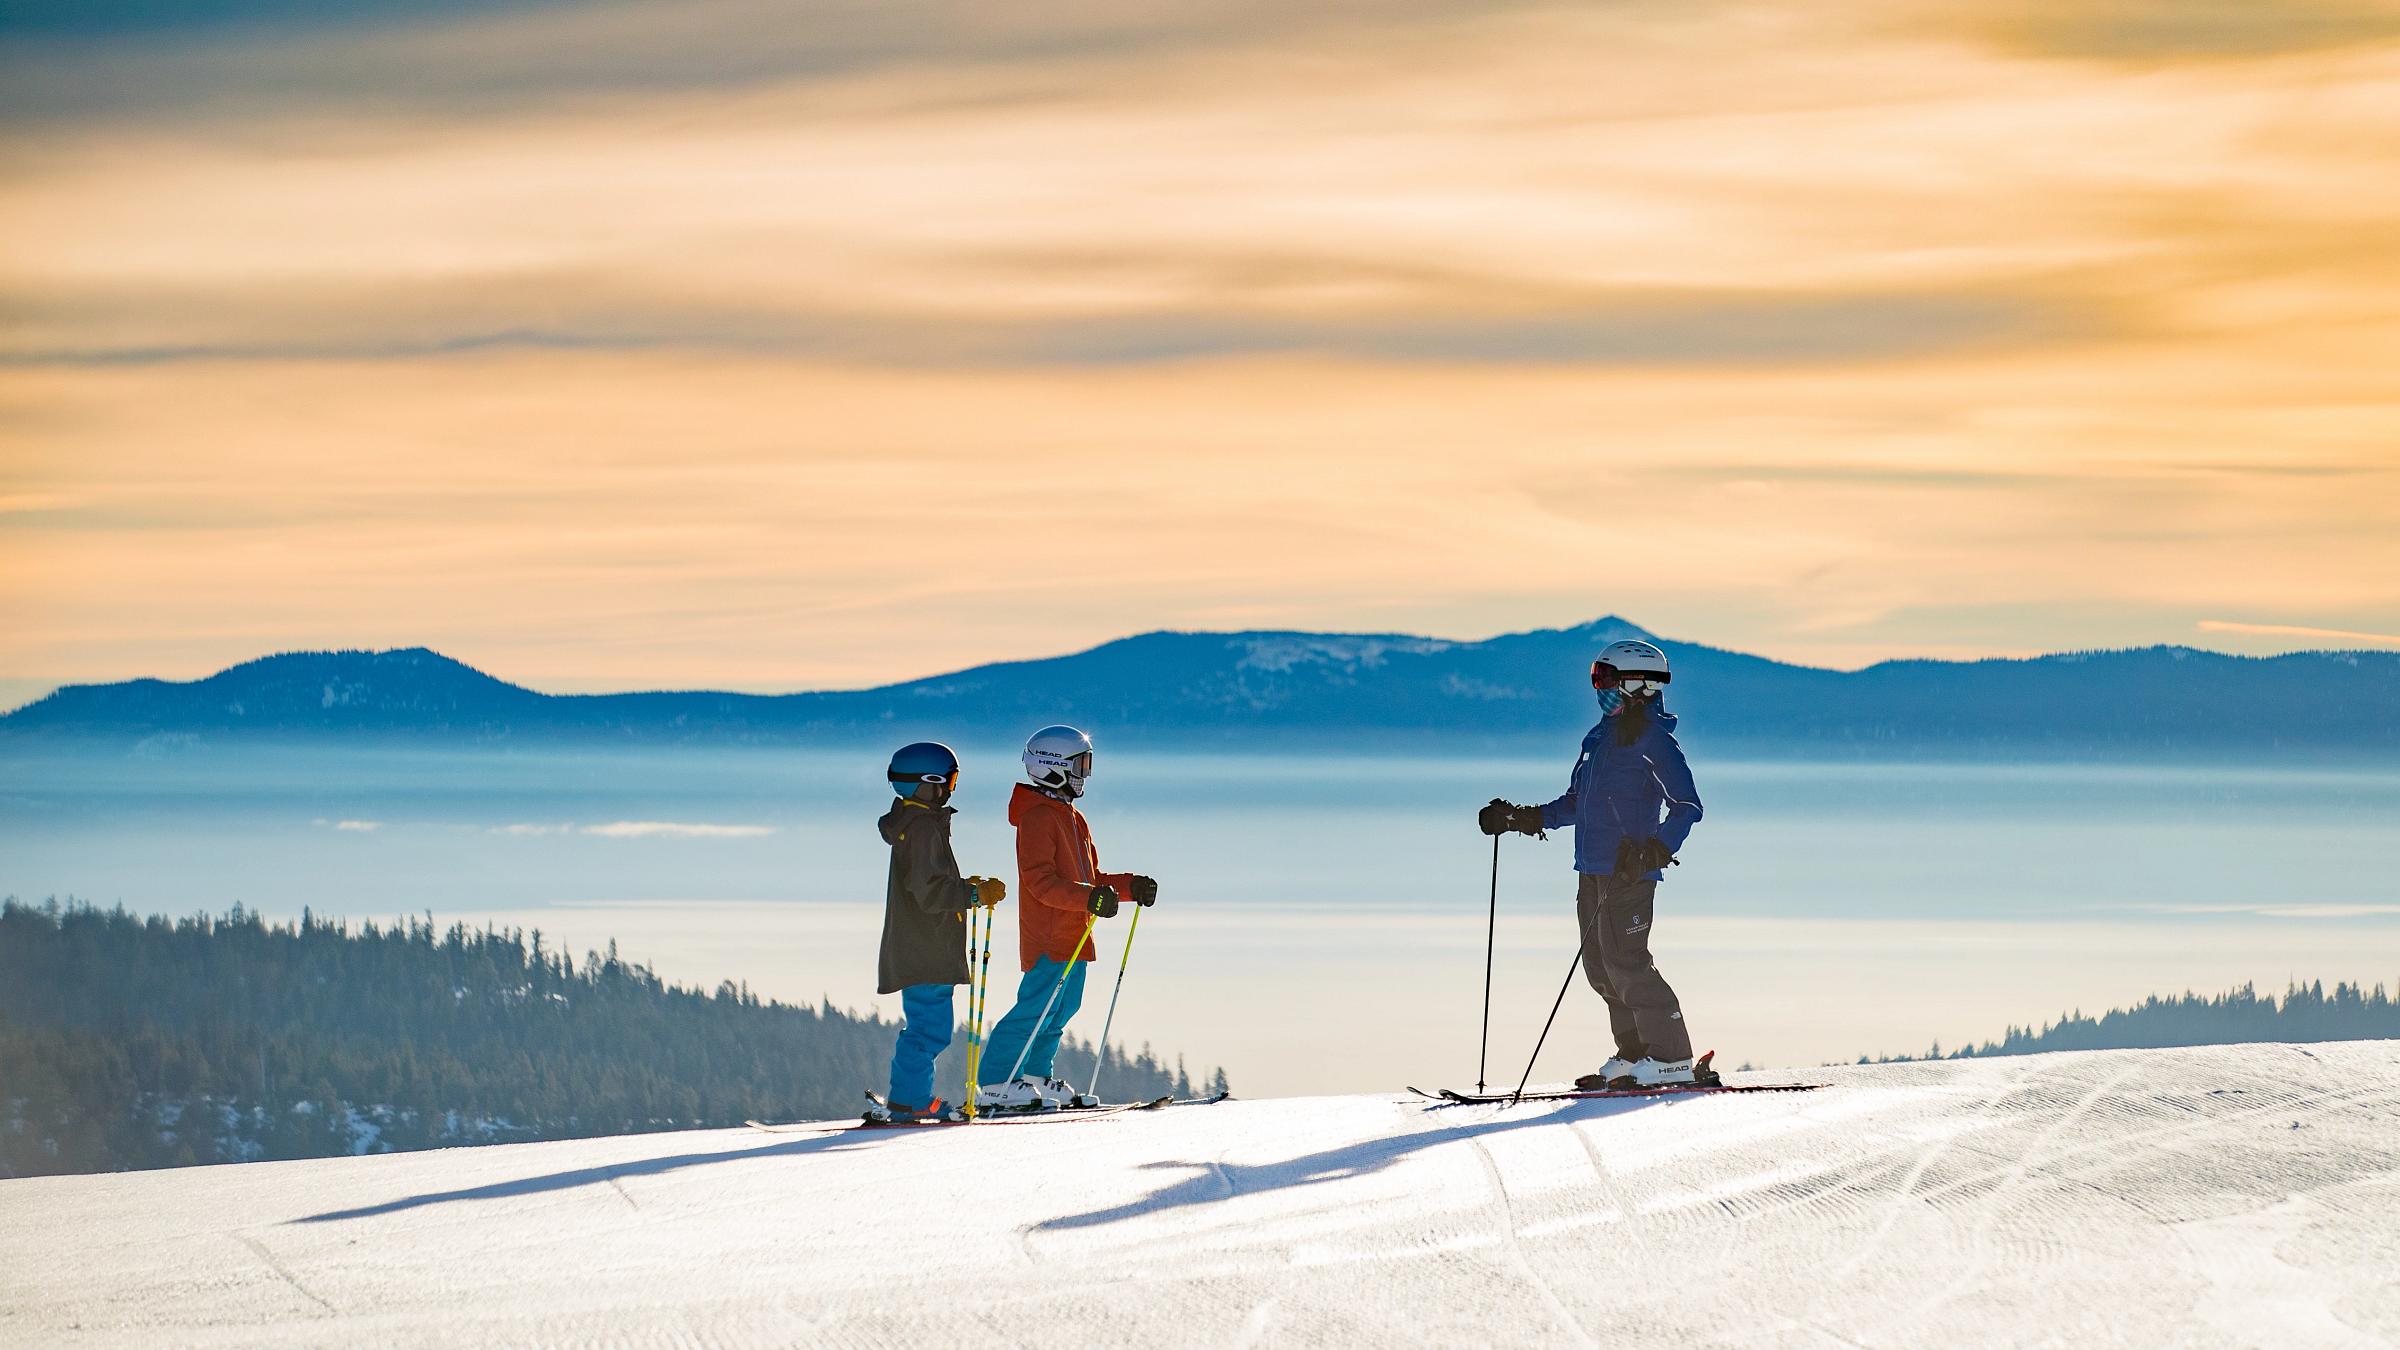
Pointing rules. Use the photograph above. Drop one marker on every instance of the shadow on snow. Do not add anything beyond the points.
(1213, 1181)
(833, 1141)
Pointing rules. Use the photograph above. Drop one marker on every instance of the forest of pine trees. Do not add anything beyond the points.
(2306, 1013)
(129, 1042)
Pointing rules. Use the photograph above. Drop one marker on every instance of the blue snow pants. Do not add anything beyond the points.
(1017, 1032)
(926, 1015)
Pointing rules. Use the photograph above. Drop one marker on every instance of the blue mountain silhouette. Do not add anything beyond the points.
(1276, 690)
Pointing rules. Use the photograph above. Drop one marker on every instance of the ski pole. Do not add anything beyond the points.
(983, 987)
(1052, 1001)
(1491, 928)
(979, 923)
(1101, 1055)
(1554, 1007)
(973, 922)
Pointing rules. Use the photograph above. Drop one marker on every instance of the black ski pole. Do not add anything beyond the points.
(1555, 1005)
(1491, 925)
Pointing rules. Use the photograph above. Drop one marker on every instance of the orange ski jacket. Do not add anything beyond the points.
(1057, 866)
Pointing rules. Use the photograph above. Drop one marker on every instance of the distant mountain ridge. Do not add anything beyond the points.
(1365, 691)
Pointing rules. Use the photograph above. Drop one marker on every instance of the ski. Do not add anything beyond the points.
(1447, 1097)
(986, 1118)
(1020, 1117)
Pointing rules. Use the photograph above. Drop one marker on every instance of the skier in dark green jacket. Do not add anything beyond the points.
(925, 902)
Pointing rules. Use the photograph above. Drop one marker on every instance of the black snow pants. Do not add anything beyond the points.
(1642, 1010)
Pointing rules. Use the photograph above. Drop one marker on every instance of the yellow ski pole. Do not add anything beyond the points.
(1100, 1056)
(1052, 1001)
(980, 920)
(983, 988)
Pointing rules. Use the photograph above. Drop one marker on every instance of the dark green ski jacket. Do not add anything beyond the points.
(924, 903)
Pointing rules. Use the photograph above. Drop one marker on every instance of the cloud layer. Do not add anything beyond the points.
(743, 343)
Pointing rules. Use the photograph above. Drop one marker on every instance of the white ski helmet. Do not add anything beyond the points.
(1630, 660)
(1060, 758)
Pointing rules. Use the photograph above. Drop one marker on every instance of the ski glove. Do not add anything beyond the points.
(1636, 856)
(1499, 817)
(988, 890)
(1104, 901)
(1145, 891)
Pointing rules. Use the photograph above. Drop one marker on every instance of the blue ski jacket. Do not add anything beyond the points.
(1622, 791)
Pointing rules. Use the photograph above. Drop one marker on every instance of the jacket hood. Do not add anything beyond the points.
(1028, 800)
(896, 819)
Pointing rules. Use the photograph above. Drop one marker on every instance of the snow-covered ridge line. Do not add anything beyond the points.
(2241, 1195)
(1359, 690)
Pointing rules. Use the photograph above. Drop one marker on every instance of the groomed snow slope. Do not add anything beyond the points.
(2238, 1196)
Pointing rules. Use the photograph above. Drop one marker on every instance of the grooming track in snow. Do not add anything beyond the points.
(2225, 1196)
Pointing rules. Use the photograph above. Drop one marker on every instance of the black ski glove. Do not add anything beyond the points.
(1104, 901)
(1145, 891)
(1500, 817)
(1636, 856)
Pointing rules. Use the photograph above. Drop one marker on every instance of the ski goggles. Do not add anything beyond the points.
(948, 782)
(1606, 676)
(1074, 766)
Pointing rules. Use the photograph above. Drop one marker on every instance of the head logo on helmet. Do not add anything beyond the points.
(926, 771)
(1059, 758)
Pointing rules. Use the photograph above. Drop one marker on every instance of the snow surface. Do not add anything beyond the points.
(2230, 1196)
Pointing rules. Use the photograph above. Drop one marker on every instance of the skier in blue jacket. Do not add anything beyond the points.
(1632, 804)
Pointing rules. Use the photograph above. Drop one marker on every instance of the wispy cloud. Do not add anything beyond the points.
(350, 826)
(2152, 30)
(670, 829)
(1853, 315)
(2296, 630)
(2279, 911)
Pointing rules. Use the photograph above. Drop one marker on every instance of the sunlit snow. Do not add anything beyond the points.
(2241, 1196)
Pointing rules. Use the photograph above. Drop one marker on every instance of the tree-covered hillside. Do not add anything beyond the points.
(2306, 1013)
(130, 1042)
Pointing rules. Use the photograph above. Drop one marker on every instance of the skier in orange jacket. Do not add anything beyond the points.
(1061, 889)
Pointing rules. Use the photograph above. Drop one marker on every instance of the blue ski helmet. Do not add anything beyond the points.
(913, 766)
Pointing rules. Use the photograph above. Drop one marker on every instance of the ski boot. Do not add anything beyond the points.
(1063, 1093)
(1017, 1096)
(1658, 1073)
(881, 1112)
(1606, 1076)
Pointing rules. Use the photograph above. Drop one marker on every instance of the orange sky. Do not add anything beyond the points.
(747, 344)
